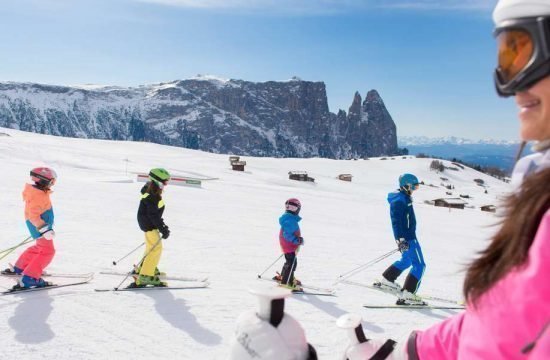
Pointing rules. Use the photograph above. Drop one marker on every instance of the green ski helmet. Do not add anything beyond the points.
(159, 176)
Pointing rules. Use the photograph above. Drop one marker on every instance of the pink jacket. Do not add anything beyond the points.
(509, 316)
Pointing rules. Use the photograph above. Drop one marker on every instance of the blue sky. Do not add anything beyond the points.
(430, 60)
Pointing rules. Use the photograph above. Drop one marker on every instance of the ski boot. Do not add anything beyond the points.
(408, 298)
(28, 282)
(12, 270)
(388, 286)
(138, 269)
(294, 287)
(278, 277)
(145, 280)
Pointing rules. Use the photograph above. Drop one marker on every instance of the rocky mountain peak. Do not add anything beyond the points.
(273, 118)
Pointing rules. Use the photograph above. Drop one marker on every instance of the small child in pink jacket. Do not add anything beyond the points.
(39, 218)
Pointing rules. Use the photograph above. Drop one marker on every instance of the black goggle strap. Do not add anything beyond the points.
(158, 179)
(277, 312)
(42, 177)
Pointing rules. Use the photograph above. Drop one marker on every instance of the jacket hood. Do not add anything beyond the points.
(394, 195)
(287, 216)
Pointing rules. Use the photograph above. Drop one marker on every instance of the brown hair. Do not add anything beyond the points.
(154, 189)
(510, 245)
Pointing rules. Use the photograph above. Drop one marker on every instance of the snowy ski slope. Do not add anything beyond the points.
(226, 230)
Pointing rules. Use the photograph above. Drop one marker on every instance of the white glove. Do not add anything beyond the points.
(258, 339)
(47, 233)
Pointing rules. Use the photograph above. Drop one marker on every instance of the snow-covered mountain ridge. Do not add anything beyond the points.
(281, 119)
(228, 231)
(449, 140)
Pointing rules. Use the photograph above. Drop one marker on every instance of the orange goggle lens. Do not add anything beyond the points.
(515, 49)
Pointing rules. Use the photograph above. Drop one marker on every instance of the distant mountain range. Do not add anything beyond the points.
(279, 119)
(498, 153)
(449, 140)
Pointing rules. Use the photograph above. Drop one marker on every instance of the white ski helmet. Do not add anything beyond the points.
(515, 9)
(523, 39)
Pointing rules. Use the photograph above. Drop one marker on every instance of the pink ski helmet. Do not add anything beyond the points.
(43, 176)
(293, 206)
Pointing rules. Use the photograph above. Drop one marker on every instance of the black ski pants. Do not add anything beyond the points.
(289, 267)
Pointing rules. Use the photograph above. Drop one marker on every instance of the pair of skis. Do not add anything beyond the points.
(452, 304)
(81, 279)
(306, 289)
(78, 279)
(197, 283)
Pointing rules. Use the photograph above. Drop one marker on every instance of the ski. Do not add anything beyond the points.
(309, 287)
(189, 287)
(163, 277)
(432, 307)
(388, 291)
(54, 275)
(312, 293)
(53, 286)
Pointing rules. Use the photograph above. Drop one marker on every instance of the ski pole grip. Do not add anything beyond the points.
(352, 324)
(268, 296)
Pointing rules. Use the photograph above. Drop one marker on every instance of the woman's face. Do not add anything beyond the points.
(534, 111)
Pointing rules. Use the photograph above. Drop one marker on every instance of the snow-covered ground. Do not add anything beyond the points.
(226, 230)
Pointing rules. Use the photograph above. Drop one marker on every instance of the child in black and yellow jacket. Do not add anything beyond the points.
(149, 216)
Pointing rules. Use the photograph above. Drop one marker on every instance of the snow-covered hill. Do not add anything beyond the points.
(226, 230)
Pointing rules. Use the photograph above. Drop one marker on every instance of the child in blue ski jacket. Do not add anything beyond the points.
(290, 239)
(404, 231)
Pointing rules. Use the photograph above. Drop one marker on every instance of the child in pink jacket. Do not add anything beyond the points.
(39, 218)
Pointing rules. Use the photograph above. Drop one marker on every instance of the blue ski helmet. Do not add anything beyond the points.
(408, 182)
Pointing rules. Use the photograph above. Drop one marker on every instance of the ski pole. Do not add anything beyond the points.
(269, 267)
(364, 266)
(8, 251)
(139, 264)
(125, 256)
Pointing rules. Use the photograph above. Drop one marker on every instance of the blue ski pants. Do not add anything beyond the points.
(412, 257)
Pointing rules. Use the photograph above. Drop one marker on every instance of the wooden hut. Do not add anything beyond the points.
(300, 176)
(489, 208)
(236, 163)
(345, 177)
(455, 203)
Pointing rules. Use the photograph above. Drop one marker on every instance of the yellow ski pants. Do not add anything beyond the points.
(153, 247)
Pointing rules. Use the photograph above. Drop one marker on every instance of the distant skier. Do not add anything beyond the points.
(404, 230)
(149, 216)
(39, 218)
(290, 239)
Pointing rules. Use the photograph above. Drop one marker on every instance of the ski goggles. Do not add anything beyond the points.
(523, 54)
